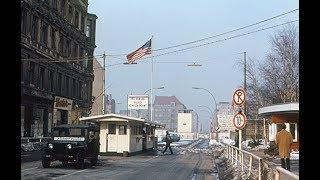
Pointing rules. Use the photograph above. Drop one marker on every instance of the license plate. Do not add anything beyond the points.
(47, 155)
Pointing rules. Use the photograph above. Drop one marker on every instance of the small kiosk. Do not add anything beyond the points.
(283, 113)
(124, 134)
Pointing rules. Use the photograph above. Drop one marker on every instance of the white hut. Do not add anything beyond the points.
(119, 134)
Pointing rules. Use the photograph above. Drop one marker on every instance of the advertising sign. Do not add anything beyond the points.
(62, 103)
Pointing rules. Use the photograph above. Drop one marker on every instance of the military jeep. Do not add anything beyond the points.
(72, 143)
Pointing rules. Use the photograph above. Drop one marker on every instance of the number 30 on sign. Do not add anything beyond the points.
(239, 120)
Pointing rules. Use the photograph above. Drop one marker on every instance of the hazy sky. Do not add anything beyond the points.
(125, 25)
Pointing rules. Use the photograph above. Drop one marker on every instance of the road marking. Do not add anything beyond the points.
(29, 169)
(69, 174)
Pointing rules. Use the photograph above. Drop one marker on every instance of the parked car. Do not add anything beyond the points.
(72, 143)
(174, 137)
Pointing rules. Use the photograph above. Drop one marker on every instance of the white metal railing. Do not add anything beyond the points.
(280, 170)
(237, 158)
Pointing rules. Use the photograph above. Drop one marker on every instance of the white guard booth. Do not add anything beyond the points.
(124, 134)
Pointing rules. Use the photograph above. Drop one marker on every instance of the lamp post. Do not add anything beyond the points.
(208, 110)
(215, 102)
(162, 87)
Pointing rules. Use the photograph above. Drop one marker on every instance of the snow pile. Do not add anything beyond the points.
(245, 144)
(214, 142)
(227, 141)
(294, 155)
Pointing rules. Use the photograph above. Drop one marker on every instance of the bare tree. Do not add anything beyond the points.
(275, 80)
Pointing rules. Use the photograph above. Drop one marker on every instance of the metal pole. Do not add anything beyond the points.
(151, 109)
(240, 139)
(245, 89)
(104, 84)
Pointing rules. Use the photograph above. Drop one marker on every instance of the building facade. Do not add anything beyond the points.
(187, 125)
(166, 110)
(57, 46)
(110, 104)
(97, 89)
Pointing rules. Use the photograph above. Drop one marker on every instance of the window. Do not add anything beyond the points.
(61, 44)
(82, 22)
(54, 4)
(34, 28)
(53, 38)
(59, 83)
(70, 13)
(294, 131)
(88, 28)
(24, 21)
(74, 50)
(73, 88)
(51, 79)
(41, 78)
(112, 129)
(68, 50)
(67, 85)
(62, 3)
(43, 33)
(31, 72)
(122, 129)
(80, 90)
(76, 19)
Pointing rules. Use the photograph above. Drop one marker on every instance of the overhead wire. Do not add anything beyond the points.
(218, 35)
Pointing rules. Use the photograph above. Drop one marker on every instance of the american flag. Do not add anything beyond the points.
(139, 53)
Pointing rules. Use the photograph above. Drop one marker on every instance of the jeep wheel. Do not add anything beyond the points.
(94, 160)
(79, 162)
(45, 162)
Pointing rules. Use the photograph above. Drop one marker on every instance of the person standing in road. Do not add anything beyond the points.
(284, 141)
(168, 141)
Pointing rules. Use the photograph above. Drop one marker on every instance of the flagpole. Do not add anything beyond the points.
(151, 113)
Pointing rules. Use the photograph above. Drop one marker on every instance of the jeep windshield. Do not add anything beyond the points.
(69, 134)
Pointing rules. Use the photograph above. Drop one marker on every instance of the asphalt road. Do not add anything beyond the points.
(191, 162)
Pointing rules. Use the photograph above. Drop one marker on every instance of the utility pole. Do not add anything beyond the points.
(104, 85)
(245, 90)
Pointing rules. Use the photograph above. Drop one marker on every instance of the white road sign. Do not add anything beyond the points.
(138, 101)
(239, 97)
(239, 120)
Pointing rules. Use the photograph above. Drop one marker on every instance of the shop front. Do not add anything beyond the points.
(62, 111)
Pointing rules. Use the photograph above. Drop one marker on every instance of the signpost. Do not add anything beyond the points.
(239, 119)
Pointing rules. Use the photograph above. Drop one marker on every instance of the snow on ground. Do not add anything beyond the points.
(214, 142)
(227, 141)
(177, 144)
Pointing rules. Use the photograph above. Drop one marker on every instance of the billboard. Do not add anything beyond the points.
(138, 101)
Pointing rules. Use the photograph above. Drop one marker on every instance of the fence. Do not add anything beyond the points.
(237, 157)
(245, 160)
(280, 170)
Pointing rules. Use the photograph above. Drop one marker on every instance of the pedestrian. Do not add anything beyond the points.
(284, 141)
(168, 141)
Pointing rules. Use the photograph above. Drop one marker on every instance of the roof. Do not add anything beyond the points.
(75, 126)
(279, 108)
(109, 117)
(161, 100)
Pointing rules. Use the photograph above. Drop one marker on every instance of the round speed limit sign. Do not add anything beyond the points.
(239, 120)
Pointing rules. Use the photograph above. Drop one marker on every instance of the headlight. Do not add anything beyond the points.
(69, 146)
(50, 146)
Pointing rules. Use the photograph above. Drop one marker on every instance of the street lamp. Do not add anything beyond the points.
(154, 88)
(162, 87)
(208, 109)
(215, 102)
